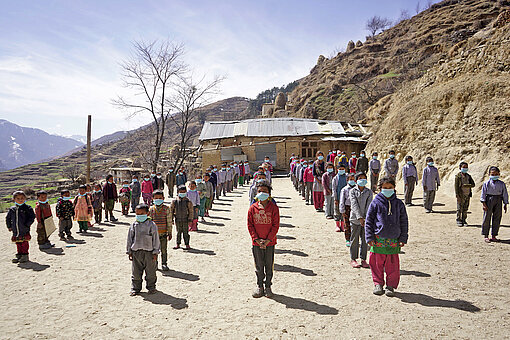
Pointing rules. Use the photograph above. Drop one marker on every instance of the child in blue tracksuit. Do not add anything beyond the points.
(386, 230)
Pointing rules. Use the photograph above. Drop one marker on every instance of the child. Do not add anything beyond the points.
(42, 212)
(410, 177)
(202, 195)
(242, 171)
(228, 178)
(181, 177)
(143, 248)
(136, 192)
(386, 231)
(97, 203)
(300, 173)
(182, 213)
(253, 189)
(463, 184)
(339, 181)
(375, 168)
(247, 172)
(362, 163)
(125, 197)
(170, 181)
(263, 225)
(391, 166)
(147, 190)
(194, 198)
(221, 186)
(494, 196)
(318, 193)
(353, 162)
(82, 209)
(345, 207)
(209, 193)
(308, 181)
(430, 181)
(19, 219)
(360, 197)
(65, 214)
(341, 159)
(235, 169)
(327, 179)
(161, 215)
(89, 194)
(110, 197)
(158, 183)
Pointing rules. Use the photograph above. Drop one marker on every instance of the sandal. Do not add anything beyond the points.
(487, 240)
(355, 264)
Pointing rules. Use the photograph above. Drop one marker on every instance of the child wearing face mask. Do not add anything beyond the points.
(97, 203)
(327, 179)
(181, 178)
(374, 166)
(319, 167)
(19, 218)
(494, 198)
(391, 166)
(82, 209)
(147, 190)
(431, 183)
(463, 185)
(182, 214)
(136, 192)
(221, 188)
(386, 230)
(345, 207)
(202, 194)
(353, 162)
(143, 247)
(362, 163)
(125, 197)
(308, 182)
(157, 182)
(65, 214)
(360, 197)
(410, 177)
(194, 198)
(42, 212)
(170, 181)
(110, 196)
(160, 214)
(339, 182)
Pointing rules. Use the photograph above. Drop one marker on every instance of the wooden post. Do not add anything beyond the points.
(89, 137)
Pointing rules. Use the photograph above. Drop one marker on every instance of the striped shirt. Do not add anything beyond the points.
(162, 217)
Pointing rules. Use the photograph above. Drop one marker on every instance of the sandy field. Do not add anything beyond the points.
(453, 285)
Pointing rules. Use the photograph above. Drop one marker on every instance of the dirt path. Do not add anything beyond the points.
(453, 285)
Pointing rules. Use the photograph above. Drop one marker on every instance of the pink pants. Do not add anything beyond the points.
(318, 199)
(380, 263)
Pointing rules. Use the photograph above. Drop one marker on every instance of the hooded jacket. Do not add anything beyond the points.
(360, 201)
(386, 218)
(19, 219)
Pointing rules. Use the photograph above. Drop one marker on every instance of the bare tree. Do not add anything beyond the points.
(404, 15)
(72, 172)
(418, 7)
(377, 23)
(150, 72)
(187, 103)
(429, 4)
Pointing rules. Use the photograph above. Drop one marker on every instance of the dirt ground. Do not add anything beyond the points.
(453, 285)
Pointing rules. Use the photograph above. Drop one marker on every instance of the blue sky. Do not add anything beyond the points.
(59, 60)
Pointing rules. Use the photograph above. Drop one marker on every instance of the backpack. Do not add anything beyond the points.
(124, 197)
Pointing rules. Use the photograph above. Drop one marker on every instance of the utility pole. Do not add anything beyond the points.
(89, 137)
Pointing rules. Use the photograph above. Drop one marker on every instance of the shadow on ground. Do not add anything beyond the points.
(429, 301)
(306, 305)
(161, 298)
(290, 252)
(180, 275)
(414, 273)
(292, 269)
(36, 267)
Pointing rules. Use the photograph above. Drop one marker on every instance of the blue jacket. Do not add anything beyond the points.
(19, 219)
(386, 218)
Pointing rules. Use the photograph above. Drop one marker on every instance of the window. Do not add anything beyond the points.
(308, 150)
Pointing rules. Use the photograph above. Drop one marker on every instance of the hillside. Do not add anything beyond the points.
(345, 86)
(21, 145)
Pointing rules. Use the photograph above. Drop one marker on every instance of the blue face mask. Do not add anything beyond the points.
(374, 157)
(19, 204)
(430, 163)
(66, 198)
(410, 162)
(96, 191)
(159, 201)
(192, 189)
(262, 196)
(135, 180)
(320, 158)
(341, 172)
(305, 166)
(81, 195)
(182, 194)
(392, 156)
(464, 170)
(330, 169)
(125, 186)
(198, 181)
(351, 182)
(171, 170)
(223, 169)
(260, 180)
(153, 175)
(494, 178)
(141, 218)
(387, 192)
(361, 182)
(215, 169)
(43, 202)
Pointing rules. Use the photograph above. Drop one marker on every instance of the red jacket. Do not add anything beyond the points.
(308, 175)
(263, 222)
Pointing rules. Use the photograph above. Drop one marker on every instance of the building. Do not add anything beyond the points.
(121, 174)
(278, 138)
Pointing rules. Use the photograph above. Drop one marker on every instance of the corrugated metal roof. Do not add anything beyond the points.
(269, 127)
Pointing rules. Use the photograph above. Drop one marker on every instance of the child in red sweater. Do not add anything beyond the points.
(263, 224)
(308, 182)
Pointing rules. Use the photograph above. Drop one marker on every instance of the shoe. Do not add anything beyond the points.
(188, 247)
(51, 244)
(390, 291)
(329, 217)
(114, 219)
(16, 258)
(164, 268)
(153, 291)
(460, 224)
(355, 264)
(428, 211)
(62, 238)
(259, 292)
(494, 239)
(338, 229)
(23, 258)
(378, 290)
(487, 240)
(44, 246)
(269, 292)
(364, 264)
(69, 237)
(133, 293)
(177, 246)
(348, 243)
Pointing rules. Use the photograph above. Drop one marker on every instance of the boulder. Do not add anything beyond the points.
(350, 46)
